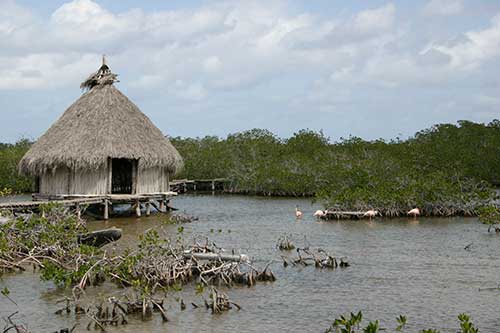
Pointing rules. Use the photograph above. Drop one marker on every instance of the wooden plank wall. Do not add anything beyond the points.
(152, 180)
(64, 181)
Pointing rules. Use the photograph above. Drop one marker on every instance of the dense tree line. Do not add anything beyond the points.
(10, 155)
(447, 168)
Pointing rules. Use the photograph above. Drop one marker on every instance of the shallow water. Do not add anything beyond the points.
(399, 266)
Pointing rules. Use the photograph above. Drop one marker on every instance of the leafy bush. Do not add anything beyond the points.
(10, 155)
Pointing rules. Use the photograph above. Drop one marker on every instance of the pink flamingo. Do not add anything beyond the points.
(414, 212)
(298, 213)
(319, 213)
(371, 213)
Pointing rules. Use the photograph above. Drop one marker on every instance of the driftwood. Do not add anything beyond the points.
(157, 263)
(100, 237)
(219, 302)
(18, 328)
(183, 218)
(321, 259)
(285, 243)
(490, 288)
(216, 256)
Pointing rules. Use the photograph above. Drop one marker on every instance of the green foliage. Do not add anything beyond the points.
(5, 192)
(444, 169)
(466, 325)
(401, 320)
(60, 276)
(10, 155)
(54, 236)
(199, 288)
(5, 291)
(351, 324)
(373, 327)
(489, 215)
(345, 324)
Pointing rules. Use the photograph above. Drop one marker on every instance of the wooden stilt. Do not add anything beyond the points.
(158, 208)
(106, 209)
(213, 186)
(138, 209)
(148, 208)
(78, 203)
(78, 212)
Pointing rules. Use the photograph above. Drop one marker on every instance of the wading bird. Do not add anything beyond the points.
(414, 212)
(319, 213)
(298, 213)
(370, 213)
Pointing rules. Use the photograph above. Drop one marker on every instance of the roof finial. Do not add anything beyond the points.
(103, 76)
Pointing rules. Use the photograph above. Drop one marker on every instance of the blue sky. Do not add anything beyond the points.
(365, 68)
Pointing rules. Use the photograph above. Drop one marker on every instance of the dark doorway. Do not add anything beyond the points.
(122, 176)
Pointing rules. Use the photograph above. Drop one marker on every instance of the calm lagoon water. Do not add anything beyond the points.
(399, 266)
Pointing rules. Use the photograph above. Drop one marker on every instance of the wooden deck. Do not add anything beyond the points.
(78, 202)
(207, 185)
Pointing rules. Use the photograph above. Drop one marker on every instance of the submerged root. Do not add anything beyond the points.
(321, 259)
(285, 243)
(219, 302)
(183, 218)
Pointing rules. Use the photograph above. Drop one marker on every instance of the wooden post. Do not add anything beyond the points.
(109, 185)
(194, 186)
(156, 206)
(185, 187)
(78, 212)
(148, 208)
(138, 209)
(162, 205)
(106, 209)
(213, 185)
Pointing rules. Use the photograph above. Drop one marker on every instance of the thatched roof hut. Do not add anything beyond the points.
(102, 144)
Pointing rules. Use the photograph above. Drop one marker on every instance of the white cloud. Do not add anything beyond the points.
(47, 70)
(374, 20)
(221, 46)
(212, 64)
(192, 92)
(478, 47)
(234, 56)
(443, 7)
(192, 54)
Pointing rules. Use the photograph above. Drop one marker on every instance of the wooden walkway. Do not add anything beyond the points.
(159, 201)
(187, 185)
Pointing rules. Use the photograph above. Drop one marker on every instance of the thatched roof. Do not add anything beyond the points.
(103, 123)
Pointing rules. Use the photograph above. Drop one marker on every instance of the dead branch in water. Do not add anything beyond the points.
(285, 243)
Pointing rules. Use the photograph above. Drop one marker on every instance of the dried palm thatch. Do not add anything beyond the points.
(103, 123)
(101, 77)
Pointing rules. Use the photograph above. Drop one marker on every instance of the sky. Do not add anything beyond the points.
(373, 69)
